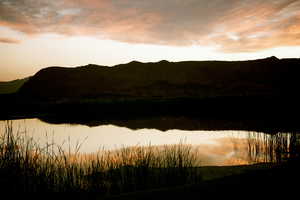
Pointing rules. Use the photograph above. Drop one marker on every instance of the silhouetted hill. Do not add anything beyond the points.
(12, 86)
(165, 80)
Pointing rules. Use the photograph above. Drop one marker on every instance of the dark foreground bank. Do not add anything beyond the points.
(276, 182)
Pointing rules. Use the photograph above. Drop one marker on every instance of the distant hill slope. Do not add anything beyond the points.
(12, 86)
(201, 79)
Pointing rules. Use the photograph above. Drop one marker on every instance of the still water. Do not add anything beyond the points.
(217, 148)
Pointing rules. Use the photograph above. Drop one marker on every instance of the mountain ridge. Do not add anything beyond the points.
(166, 79)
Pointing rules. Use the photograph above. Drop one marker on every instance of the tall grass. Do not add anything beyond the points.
(26, 166)
(272, 148)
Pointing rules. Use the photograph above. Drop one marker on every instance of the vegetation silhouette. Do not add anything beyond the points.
(27, 167)
(144, 172)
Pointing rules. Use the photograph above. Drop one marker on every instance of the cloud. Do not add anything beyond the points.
(9, 40)
(229, 25)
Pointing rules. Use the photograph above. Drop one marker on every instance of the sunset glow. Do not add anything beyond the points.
(109, 32)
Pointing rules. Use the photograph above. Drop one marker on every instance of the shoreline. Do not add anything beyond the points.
(261, 177)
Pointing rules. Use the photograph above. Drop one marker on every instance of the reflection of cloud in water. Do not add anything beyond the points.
(229, 151)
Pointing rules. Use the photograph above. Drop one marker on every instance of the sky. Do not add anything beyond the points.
(35, 34)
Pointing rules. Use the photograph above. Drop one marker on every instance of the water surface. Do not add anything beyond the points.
(215, 147)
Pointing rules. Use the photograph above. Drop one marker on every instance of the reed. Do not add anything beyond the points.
(26, 166)
(277, 147)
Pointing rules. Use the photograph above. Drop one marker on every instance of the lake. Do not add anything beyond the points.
(218, 148)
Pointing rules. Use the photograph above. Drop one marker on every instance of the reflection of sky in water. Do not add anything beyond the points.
(216, 147)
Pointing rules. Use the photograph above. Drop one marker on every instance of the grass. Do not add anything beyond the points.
(28, 167)
(277, 147)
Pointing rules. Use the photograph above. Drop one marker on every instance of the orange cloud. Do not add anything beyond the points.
(9, 41)
(230, 25)
(261, 26)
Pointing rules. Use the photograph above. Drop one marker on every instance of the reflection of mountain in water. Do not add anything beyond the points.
(269, 145)
(165, 123)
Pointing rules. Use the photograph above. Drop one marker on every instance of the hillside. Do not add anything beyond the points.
(12, 86)
(165, 80)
